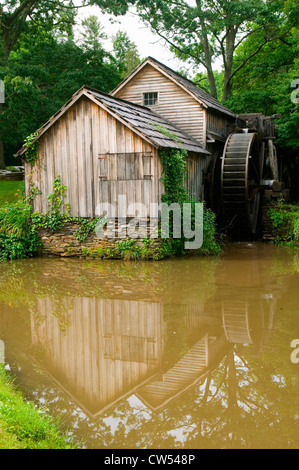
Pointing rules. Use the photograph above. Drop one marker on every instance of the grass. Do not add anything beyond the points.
(8, 190)
(22, 424)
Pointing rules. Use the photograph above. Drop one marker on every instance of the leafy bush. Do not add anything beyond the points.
(18, 238)
(58, 212)
(285, 224)
(174, 176)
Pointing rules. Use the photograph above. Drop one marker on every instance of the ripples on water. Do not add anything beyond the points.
(186, 353)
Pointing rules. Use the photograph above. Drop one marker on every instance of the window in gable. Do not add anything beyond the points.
(150, 99)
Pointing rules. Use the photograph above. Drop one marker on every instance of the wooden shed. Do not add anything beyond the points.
(103, 146)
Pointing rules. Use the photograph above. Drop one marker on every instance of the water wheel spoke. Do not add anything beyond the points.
(253, 193)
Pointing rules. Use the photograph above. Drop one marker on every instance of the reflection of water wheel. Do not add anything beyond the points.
(215, 186)
(241, 173)
(235, 320)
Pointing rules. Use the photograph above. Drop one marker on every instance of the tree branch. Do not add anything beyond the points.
(246, 36)
(254, 53)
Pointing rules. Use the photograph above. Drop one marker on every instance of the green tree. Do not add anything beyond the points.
(92, 34)
(214, 29)
(41, 75)
(126, 53)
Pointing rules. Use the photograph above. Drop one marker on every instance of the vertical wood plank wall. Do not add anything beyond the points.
(71, 147)
(218, 123)
(107, 347)
(174, 103)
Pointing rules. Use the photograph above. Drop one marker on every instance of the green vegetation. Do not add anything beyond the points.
(173, 177)
(86, 227)
(9, 190)
(285, 224)
(58, 211)
(18, 238)
(32, 146)
(22, 424)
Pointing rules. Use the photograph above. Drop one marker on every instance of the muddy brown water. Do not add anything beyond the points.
(187, 353)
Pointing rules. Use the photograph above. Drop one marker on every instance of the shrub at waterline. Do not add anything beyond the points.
(18, 237)
(285, 224)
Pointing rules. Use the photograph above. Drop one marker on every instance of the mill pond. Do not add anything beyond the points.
(198, 352)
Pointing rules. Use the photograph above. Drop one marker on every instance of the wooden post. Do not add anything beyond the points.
(273, 160)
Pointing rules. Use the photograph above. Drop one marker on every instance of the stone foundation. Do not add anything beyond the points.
(63, 242)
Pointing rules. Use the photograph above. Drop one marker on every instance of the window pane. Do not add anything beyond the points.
(150, 99)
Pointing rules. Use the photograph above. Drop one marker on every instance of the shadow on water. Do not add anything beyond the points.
(191, 353)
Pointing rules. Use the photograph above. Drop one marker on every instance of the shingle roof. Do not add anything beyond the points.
(160, 131)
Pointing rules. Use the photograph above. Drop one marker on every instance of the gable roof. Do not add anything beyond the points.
(157, 130)
(207, 100)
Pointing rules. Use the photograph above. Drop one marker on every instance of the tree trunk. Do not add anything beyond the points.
(228, 57)
(2, 163)
(208, 58)
(227, 86)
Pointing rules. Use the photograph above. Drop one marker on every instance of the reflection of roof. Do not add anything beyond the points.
(208, 100)
(156, 129)
(190, 369)
(183, 374)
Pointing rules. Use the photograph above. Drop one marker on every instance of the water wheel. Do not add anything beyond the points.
(241, 174)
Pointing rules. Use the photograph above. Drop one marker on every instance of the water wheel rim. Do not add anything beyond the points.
(241, 157)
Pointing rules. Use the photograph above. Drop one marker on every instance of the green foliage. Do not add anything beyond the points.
(265, 84)
(33, 191)
(41, 74)
(86, 226)
(126, 53)
(128, 249)
(173, 177)
(22, 424)
(32, 147)
(58, 211)
(18, 239)
(92, 33)
(285, 224)
(209, 31)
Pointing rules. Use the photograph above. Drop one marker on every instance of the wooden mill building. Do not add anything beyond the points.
(104, 145)
(176, 98)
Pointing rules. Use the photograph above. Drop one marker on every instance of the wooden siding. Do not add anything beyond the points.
(174, 103)
(218, 123)
(194, 180)
(100, 349)
(71, 148)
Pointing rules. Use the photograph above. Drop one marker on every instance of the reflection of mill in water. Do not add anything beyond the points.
(104, 350)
